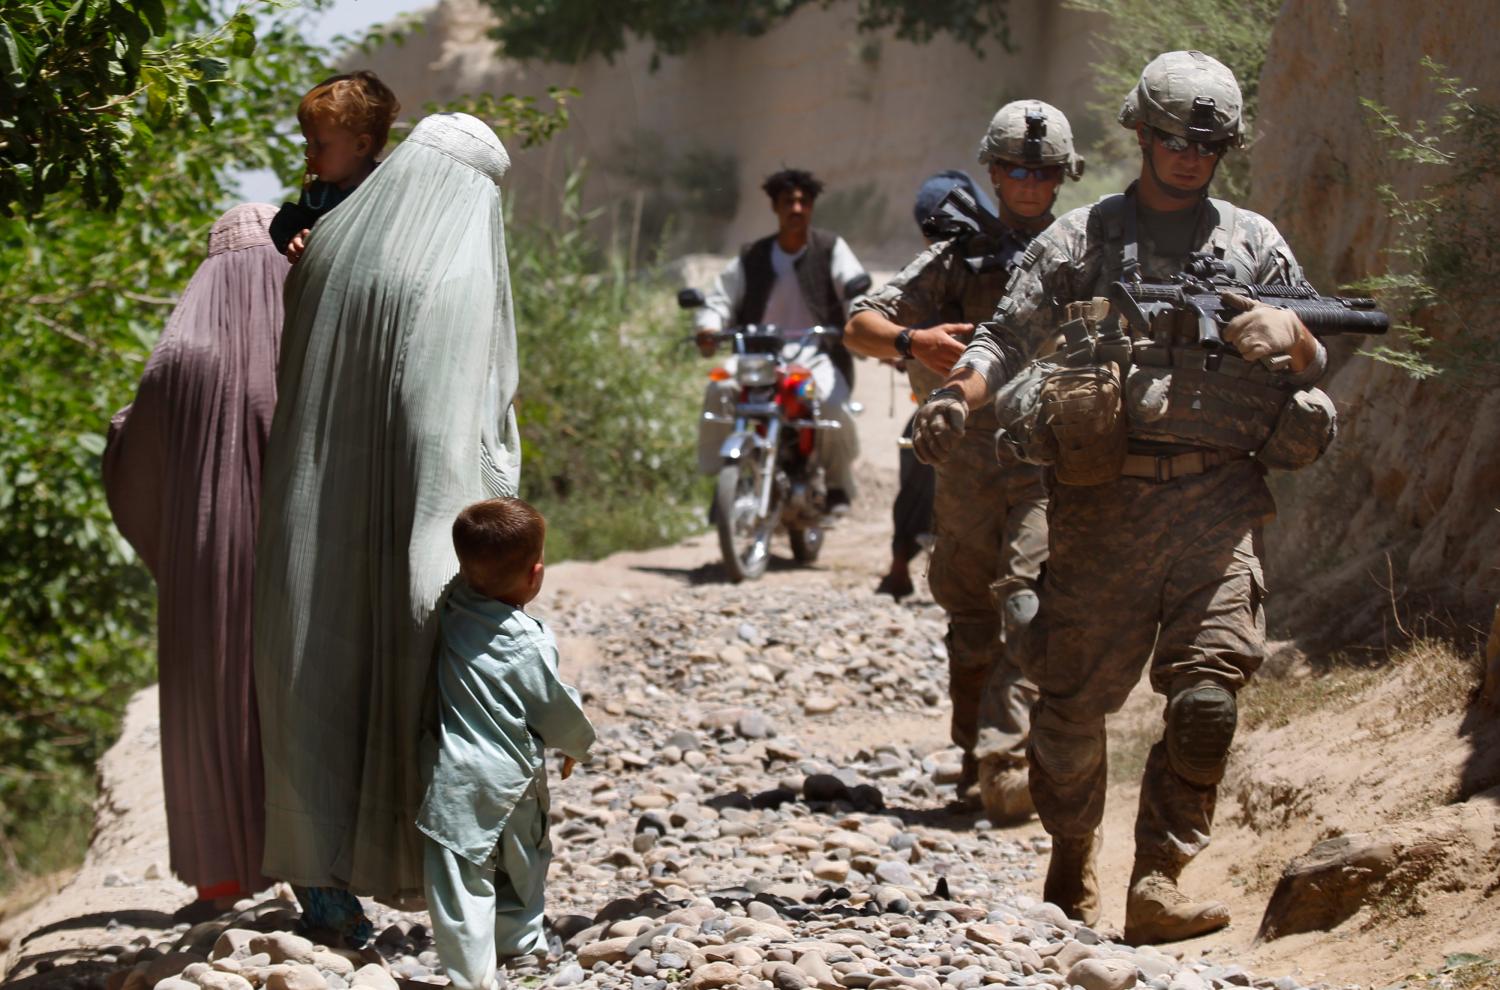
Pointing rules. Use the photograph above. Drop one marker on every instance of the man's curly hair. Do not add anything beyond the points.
(792, 178)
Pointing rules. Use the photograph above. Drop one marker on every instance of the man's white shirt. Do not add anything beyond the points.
(785, 308)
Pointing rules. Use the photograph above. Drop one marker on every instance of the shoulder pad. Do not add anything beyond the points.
(1111, 213)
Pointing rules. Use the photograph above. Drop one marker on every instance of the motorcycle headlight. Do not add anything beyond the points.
(755, 369)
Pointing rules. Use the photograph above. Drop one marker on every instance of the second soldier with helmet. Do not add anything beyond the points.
(990, 518)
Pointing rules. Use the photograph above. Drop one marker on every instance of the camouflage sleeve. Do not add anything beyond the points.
(1049, 275)
(1276, 265)
(914, 297)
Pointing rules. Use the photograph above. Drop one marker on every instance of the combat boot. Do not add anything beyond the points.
(1156, 911)
(1006, 791)
(1073, 876)
(966, 793)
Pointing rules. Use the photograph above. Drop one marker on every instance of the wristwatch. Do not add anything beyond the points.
(903, 344)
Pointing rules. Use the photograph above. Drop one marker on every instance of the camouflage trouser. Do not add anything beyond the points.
(1134, 565)
(990, 523)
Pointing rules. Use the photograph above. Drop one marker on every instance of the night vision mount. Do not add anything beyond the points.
(1200, 125)
(1036, 129)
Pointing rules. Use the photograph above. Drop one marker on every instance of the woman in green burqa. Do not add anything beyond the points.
(398, 366)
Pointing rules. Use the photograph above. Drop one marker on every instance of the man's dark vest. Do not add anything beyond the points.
(814, 277)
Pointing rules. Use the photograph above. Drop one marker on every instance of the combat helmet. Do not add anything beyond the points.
(1031, 133)
(1189, 94)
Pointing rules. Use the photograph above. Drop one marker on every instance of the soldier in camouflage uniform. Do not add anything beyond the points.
(1167, 554)
(990, 517)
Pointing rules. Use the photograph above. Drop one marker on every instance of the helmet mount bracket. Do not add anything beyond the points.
(1200, 125)
(1036, 129)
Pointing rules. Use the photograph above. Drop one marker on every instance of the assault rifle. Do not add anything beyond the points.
(958, 217)
(1196, 290)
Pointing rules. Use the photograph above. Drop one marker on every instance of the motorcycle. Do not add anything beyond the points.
(768, 478)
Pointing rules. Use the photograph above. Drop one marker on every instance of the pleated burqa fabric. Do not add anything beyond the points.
(182, 472)
(398, 367)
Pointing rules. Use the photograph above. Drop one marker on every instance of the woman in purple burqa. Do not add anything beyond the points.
(182, 474)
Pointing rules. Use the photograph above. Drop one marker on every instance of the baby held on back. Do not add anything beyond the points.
(345, 122)
(500, 702)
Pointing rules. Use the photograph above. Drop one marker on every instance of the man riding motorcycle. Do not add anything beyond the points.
(794, 279)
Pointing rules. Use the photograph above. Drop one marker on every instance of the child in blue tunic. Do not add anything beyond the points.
(500, 703)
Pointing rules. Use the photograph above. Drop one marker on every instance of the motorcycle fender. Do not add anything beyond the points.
(737, 444)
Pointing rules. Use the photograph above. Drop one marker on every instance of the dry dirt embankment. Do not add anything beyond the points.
(770, 766)
(1408, 498)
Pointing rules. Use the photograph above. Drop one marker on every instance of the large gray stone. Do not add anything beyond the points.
(298, 976)
(283, 947)
(1103, 974)
(373, 977)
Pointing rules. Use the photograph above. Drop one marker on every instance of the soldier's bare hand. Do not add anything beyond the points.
(567, 768)
(939, 427)
(1261, 330)
(937, 348)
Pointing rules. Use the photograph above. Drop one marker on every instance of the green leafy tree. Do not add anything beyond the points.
(1443, 288)
(84, 84)
(1237, 34)
(573, 30)
(86, 294)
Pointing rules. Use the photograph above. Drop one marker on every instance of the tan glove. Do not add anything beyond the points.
(1261, 330)
(939, 427)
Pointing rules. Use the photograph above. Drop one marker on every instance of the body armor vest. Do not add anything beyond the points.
(1171, 395)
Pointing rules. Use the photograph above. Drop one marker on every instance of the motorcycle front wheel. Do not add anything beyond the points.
(744, 534)
(806, 543)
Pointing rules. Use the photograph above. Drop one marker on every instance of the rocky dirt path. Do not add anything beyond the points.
(767, 808)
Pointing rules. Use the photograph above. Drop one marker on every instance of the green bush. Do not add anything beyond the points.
(1444, 283)
(608, 397)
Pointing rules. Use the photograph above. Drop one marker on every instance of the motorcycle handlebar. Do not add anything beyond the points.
(769, 330)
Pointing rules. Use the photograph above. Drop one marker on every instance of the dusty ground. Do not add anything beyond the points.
(1358, 751)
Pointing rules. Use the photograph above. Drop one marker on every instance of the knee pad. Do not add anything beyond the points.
(1200, 727)
(1019, 608)
(1066, 756)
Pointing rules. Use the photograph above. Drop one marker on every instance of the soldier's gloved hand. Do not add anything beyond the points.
(939, 426)
(1261, 330)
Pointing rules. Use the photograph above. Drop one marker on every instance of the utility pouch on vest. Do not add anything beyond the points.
(1018, 410)
(1083, 408)
(1184, 404)
(1307, 425)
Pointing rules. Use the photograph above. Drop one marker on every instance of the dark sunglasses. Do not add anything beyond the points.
(1206, 149)
(1047, 173)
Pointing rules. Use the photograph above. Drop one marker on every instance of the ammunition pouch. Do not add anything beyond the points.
(1082, 408)
(1235, 407)
(1018, 409)
(1307, 425)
